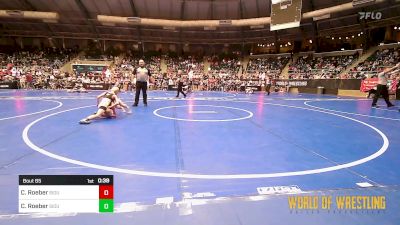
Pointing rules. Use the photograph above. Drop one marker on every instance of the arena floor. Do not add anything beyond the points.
(221, 145)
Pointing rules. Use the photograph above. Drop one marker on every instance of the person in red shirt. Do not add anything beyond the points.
(29, 80)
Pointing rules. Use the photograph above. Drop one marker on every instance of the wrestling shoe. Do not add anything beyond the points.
(84, 121)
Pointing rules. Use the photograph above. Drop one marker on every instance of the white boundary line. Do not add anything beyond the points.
(393, 110)
(203, 112)
(155, 112)
(29, 114)
(382, 150)
(337, 111)
(1, 92)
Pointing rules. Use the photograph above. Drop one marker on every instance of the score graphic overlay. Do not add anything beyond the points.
(66, 193)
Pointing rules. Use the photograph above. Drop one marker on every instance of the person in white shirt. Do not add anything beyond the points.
(263, 76)
(22, 81)
(170, 83)
(190, 76)
(381, 88)
(14, 72)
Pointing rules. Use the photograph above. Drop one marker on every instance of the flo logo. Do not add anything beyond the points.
(370, 15)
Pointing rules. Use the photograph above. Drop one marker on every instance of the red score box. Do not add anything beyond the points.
(106, 192)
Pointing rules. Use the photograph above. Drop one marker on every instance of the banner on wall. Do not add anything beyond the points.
(80, 68)
(8, 85)
(292, 83)
(97, 86)
(370, 83)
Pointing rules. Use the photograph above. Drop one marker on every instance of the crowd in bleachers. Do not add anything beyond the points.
(376, 62)
(36, 69)
(223, 67)
(222, 73)
(41, 69)
(190, 65)
(259, 68)
(328, 67)
(122, 68)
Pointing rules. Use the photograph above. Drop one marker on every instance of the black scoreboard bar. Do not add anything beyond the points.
(66, 179)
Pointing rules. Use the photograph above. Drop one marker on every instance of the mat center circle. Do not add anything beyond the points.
(203, 113)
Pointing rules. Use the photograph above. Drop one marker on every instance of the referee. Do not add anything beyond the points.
(142, 76)
(381, 88)
(268, 84)
(180, 84)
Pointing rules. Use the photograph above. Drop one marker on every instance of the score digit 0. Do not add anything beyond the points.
(106, 192)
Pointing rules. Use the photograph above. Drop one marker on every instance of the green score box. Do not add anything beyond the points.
(106, 205)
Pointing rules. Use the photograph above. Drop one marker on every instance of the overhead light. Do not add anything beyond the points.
(257, 27)
(310, 41)
(326, 16)
(361, 32)
(359, 35)
(210, 28)
(289, 43)
(342, 49)
(340, 38)
(168, 28)
(50, 21)
(395, 28)
(108, 24)
(273, 44)
(285, 45)
(347, 38)
(333, 38)
(281, 46)
(352, 36)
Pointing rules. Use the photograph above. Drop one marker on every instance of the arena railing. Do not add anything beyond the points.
(270, 55)
(339, 53)
(389, 46)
